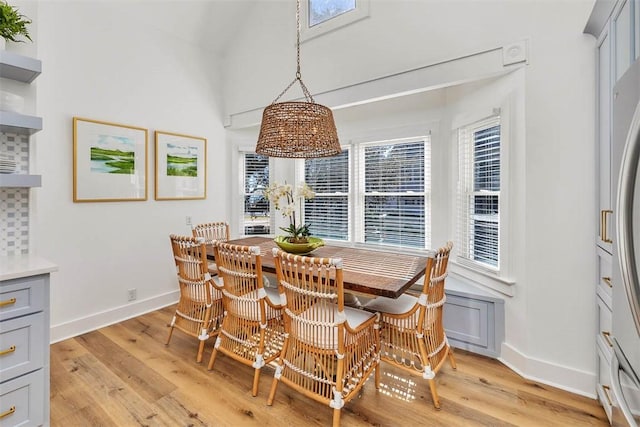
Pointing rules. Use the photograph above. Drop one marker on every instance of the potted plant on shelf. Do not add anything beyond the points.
(289, 202)
(13, 24)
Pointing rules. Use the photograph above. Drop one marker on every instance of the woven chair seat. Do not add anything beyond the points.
(213, 268)
(318, 334)
(399, 305)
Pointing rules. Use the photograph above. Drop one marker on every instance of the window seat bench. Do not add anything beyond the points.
(473, 317)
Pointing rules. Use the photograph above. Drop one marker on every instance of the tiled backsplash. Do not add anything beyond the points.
(14, 202)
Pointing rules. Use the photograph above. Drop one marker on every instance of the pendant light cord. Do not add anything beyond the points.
(298, 78)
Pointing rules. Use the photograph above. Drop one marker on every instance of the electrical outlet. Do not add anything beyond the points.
(132, 294)
(188, 220)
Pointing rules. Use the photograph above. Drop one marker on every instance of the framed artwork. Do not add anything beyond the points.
(181, 167)
(109, 162)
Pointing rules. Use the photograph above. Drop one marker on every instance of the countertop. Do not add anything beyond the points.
(17, 266)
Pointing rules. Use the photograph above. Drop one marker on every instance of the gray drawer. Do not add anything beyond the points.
(604, 276)
(22, 345)
(26, 396)
(604, 325)
(19, 297)
(604, 381)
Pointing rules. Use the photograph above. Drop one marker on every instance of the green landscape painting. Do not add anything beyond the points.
(182, 160)
(113, 154)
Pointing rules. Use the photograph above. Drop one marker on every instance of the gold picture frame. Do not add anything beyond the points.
(181, 166)
(110, 161)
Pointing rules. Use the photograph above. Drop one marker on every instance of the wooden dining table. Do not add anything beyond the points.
(365, 271)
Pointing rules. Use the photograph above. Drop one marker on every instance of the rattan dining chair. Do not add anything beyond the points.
(199, 311)
(411, 331)
(212, 232)
(329, 349)
(252, 331)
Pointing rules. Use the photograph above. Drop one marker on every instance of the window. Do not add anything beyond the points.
(478, 198)
(323, 16)
(256, 214)
(328, 212)
(323, 10)
(395, 189)
(390, 202)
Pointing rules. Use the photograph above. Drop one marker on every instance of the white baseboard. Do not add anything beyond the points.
(562, 377)
(95, 321)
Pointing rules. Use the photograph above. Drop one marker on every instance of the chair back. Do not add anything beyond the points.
(314, 294)
(243, 288)
(212, 231)
(190, 256)
(432, 300)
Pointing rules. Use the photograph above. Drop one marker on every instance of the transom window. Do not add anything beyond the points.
(324, 10)
(322, 16)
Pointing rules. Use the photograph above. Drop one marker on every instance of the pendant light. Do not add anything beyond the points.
(297, 129)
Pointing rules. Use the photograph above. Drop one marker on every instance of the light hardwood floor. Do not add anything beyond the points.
(124, 375)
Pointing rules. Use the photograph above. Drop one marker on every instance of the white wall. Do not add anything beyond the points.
(101, 62)
(550, 320)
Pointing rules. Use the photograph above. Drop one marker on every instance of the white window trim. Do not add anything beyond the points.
(500, 280)
(242, 151)
(358, 176)
(306, 33)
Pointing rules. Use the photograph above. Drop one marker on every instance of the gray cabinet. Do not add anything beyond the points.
(24, 340)
(614, 25)
(473, 318)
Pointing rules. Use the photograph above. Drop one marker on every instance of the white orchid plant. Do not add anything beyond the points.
(289, 201)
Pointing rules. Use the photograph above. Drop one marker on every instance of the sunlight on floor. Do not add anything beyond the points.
(397, 387)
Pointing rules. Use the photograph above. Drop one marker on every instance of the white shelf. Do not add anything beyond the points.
(18, 67)
(11, 122)
(20, 180)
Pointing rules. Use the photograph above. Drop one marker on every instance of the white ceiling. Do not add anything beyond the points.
(211, 24)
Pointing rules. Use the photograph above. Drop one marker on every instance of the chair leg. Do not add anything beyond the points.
(169, 337)
(272, 392)
(171, 326)
(377, 376)
(212, 360)
(256, 381)
(452, 360)
(200, 351)
(336, 417)
(434, 394)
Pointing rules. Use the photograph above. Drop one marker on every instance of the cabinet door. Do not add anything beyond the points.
(623, 20)
(604, 141)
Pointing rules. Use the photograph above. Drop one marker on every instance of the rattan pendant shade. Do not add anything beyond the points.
(298, 129)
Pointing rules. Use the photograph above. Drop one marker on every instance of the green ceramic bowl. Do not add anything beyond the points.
(298, 248)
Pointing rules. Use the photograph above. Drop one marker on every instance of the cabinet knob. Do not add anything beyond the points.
(607, 394)
(9, 412)
(604, 215)
(8, 351)
(10, 301)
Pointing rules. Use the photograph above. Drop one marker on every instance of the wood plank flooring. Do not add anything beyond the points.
(124, 375)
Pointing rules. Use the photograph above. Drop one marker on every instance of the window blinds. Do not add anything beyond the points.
(478, 193)
(256, 218)
(328, 212)
(397, 193)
